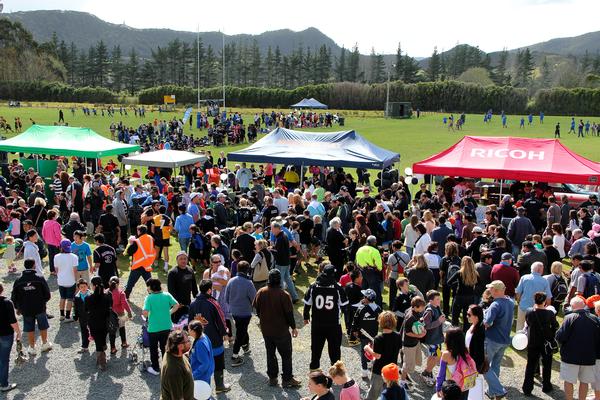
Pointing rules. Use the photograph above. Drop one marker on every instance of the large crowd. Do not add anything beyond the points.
(454, 271)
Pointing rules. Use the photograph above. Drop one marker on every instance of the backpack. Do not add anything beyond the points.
(465, 374)
(453, 269)
(592, 284)
(261, 271)
(559, 290)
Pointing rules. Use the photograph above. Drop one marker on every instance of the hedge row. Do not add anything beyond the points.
(431, 96)
(54, 91)
(560, 101)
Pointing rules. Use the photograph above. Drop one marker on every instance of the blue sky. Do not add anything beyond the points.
(418, 25)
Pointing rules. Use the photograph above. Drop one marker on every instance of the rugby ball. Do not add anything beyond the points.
(418, 328)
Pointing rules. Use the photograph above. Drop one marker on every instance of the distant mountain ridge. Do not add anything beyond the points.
(85, 30)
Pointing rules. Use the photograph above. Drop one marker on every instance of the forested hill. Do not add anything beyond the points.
(84, 30)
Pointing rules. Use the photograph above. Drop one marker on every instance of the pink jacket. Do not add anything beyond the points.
(120, 304)
(51, 232)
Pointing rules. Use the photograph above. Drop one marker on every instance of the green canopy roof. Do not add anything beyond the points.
(65, 141)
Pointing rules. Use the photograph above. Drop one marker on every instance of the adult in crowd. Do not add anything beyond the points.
(475, 338)
(281, 253)
(449, 265)
(120, 210)
(244, 242)
(326, 299)
(98, 307)
(498, 323)
(9, 331)
(542, 326)
(207, 309)
(51, 232)
(336, 242)
(201, 354)
(182, 285)
(30, 294)
(105, 259)
(65, 265)
(142, 252)
(578, 243)
(396, 264)
(176, 379)
(507, 274)
(274, 308)
(369, 260)
(239, 296)
(31, 251)
(465, 281)
(158, 307)
(577, 362)
(529, 255)
(528, 286)
(518, 229)
(484, 272)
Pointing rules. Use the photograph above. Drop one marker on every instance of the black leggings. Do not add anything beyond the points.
(113, 337)
(99, 336)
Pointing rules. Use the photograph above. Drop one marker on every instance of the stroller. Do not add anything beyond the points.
(137, 355)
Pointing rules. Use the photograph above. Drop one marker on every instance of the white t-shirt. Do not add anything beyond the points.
(64, 264)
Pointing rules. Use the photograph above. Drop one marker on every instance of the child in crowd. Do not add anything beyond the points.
(366, 319)
(120, 305)
(392, 391)
(236, 256)
(10, 253)
(79, 313)
(434, 319)
(411, 346)
(537, 242)
(258, 232)
(14, 226)
(350, 389)
(346, 279)
(354, 293)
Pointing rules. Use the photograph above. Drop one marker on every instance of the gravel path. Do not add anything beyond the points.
(64, 374)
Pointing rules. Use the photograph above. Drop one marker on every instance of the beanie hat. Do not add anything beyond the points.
(390, 372)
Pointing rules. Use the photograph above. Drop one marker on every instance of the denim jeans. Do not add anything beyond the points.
(373, 280)
(494, 352)
(134, 276)
(6, 343)
(286, 279)
(184, 243)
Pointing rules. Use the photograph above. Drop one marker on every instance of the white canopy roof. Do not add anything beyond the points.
(165, 159)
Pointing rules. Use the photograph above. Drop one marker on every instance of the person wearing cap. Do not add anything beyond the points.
(65, 264)
(274, 308)
(498, 318)
(579, 340)
(518, 229)
(365, 318)
(194, 208)
(369, 260)
(181, 283)
(506, 273)
(325, 299)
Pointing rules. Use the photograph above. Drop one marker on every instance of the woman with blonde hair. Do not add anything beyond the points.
(428, 221)
(350, 389)
(419, 274)
(464, 281)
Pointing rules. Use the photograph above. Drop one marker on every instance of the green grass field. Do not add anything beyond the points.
(414, 139)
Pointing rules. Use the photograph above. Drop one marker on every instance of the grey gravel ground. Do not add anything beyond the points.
(64, 374)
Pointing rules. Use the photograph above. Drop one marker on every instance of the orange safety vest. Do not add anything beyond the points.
(145, 254)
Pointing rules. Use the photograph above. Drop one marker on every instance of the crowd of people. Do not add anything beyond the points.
(453, 280)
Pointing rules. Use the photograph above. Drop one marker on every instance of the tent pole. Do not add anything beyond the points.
(37, 163)
(500, 197)
(301, 175)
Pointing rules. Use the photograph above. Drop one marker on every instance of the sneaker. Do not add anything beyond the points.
(365, 374)
(223, 389)
(8, 388)
(291, 383)
(62, 318)
(83, 350)
(273, 382)
(46, 347)
(246, 349)
(237, 361)
(428, 378)
(152, 371)
(32, 351)
(166, 267)
(49, 316)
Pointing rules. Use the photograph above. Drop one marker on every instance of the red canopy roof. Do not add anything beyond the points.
(541, 160)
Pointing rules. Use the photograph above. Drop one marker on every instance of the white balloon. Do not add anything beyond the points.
(435, 397)
(202, 390)
(127, 167)
(408, 171)
(519, 341)
(420, 177)
(223, 177)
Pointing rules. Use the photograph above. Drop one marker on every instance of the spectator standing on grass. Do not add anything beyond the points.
(83, 251)
(158, 307)
(369, 260)
(239, 296)
(577, 361)
(518, 229)
(181, 284)
(29, 295)
(281, 253)
(529, 285)
(274, 308)
(542, 326)
(65, 265)
(206, 307)
(52, 236)
(105, 259)
(497, 319)
(142, 252)
(31, 251)
(176, 380)
(507, 274)
(182, 228)
(9, 331)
